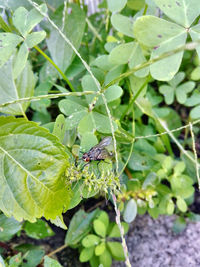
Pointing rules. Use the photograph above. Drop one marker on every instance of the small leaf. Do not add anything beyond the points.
(99, 228)
(15, 261)
(90, 240)
(116, 5)
(20, 61)
(33, 257)
(49, 262)
(130, 211)
(25, 21)
(103, 216)
(8, 227)
(59, 127)
(38, 230)
(179, 225)
(179, 168)
(122, 24)
(116, 250)
(99, 249)
(106, 258)
(181, 204)
(195, 113)
(34, 38)
(114, 232)
(79, 227)
(170, 207)
(8, 42)
(86, 254)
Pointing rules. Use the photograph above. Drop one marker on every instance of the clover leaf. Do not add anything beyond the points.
(174, 88)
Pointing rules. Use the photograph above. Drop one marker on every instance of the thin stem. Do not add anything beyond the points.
(56, 250)
(39, 97)
(56, 67)
(188, 46)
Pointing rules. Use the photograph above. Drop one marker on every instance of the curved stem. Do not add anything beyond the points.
(56, 67)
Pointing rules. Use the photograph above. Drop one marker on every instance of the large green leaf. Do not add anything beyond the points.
(74, 25)
(183, 12)
(12, 90)
(162, 36)
(8, 42)
(32, 163)
(195, 35)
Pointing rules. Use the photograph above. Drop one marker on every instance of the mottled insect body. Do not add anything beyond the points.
(98, 152)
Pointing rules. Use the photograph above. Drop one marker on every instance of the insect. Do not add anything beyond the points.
(99, 151)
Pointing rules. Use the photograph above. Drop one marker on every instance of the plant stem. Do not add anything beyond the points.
(56, 250)
(56, 67)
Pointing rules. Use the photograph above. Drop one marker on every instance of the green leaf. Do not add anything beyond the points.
(114, 232)
(106, 258)
(130, 211)
(88, 141)
(195, 35)
(48, 262)
(33, 257)
(182, 185)
(99, 228)
(122, 24)
(179, 225)
(136, 4)
(32, 184)
(90, 240)
(116, 5)
(99, 249)
(170, 207)
(181, 204)
(20, 61)
(86, 254)
(58, 221)
(15, 261)
(181, 11)
(179, 168)
(195, 74)
(103, 216)
(150, 180)
(59, 127)
(195, 113)
(34, 38)
(25, 20)
(12, 90)
(38, 230)
(8, 227)
(112, 93)
(116, 250)
(79, 227)
(8, 42)
(163, 36)
(74, 25)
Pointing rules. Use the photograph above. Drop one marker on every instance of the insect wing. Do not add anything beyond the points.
(105, 142)
(104, 154)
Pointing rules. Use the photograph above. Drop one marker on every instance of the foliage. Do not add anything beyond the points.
(75, 79)
(94, 237)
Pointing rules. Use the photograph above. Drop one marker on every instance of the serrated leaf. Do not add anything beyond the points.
(79, 227)
(38, 230)
(122, 24)
(12, 90)
(130, 211)
(8, 42)
(32, 184)
(8, 227)
(74, 24)
(25, 20)
(49, 262)
(99, 228)
(116, 5)
(181, 11)
(116, 250)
